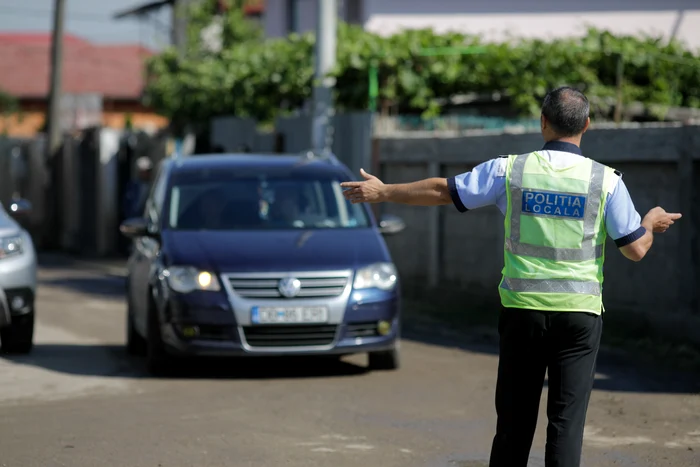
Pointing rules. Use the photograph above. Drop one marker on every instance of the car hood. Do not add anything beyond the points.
(267, 251)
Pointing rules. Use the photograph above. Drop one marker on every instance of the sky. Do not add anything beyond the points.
(90, 19)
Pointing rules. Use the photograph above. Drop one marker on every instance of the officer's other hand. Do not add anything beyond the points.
(369, 191)
(662, 220)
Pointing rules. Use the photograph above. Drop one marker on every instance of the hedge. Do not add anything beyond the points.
(264, 78)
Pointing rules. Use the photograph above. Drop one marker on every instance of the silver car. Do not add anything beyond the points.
(18, 265)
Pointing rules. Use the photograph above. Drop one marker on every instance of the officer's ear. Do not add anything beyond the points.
(588, 123)
(543, 122)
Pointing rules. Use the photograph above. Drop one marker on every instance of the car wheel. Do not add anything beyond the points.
(157, 359)
(385, 360)
(135, 343)
(18, 337)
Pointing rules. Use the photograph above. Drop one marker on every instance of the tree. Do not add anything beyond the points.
(8, 103)
(262, 79)
(8, 106)
(218, 21)
(188, 87)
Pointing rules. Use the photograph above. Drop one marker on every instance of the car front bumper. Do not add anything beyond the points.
(206, 325)
(17, 280)
(343, 342)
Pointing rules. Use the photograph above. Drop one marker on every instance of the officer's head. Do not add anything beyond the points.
(564, 114)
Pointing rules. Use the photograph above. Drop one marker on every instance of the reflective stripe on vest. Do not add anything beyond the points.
(551, 286)
(588, 249)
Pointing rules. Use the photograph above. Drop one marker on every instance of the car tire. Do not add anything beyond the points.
(135, 343)
(18, 337)
(385, 360)
(158, 361)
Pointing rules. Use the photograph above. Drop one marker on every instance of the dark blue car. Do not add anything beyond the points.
(253, 255)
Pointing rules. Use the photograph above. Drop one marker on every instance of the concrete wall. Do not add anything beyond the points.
(352, 136)
(278, 18)
(23, 173)
(232, 132)
(465, 251)
(108, 191)
(76, 194)
(499, 19)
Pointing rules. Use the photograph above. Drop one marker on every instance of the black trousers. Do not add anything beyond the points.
(565, 344)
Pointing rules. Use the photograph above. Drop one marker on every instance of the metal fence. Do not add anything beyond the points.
(77, 194)
(386, 125)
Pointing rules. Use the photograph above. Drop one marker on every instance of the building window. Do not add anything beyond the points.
(292, 16)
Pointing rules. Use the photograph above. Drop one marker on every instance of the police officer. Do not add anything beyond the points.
(559, 206)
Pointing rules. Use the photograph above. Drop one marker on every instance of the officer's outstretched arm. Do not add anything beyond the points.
(636, 250)
(656, 221)
(428, 192)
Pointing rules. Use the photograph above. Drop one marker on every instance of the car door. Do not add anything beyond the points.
(146, 252)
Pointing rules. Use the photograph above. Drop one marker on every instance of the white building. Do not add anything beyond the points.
(496, 19)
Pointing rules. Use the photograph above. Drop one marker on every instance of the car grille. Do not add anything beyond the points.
(311, 287)
(362, 329)
(289, 336)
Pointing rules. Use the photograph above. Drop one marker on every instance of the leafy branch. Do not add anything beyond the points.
(262, 79)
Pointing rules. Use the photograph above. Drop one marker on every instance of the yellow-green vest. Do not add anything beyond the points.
(554, 234)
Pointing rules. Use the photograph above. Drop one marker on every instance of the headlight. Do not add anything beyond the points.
(379, 275)
(10, 246)
(187, 279)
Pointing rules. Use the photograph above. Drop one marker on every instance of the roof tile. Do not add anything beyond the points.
(114, 71)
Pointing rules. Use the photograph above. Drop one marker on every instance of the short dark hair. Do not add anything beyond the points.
(566, 109)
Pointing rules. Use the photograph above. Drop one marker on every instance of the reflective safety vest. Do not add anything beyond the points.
(554, 234)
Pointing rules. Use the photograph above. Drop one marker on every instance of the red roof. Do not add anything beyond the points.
(253, 7)
(114, 71)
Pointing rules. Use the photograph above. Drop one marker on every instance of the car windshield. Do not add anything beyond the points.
(261, 203)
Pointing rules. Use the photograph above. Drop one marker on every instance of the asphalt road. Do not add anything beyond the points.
(79, 401)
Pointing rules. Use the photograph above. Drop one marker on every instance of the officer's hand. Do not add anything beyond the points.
(369, 191)
(662, 220)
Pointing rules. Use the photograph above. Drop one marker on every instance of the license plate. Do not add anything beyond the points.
(288, 315)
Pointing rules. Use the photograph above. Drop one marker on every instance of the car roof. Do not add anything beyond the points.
(287, 163)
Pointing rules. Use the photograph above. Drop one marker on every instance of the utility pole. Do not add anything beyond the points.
(326, 32)
(179, 27)
(54, 115)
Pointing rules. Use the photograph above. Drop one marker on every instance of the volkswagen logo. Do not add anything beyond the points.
(289, 287)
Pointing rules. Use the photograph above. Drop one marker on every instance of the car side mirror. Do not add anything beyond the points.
(389, 225)
(134, 228)
(19, 207)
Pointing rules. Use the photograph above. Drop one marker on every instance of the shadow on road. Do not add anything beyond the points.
(82, 276)
(49, 260)
(622, 375)
(104, 286)
(619, 372)
(111, 361)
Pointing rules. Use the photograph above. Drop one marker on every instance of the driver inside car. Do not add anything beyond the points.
(285, 210)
